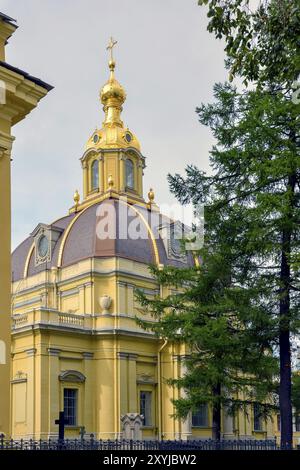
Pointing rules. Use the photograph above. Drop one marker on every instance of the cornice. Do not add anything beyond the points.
(6, 142)
(109, 332)
(22, 94)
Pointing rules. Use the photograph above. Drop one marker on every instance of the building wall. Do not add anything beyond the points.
(18, 96)
(117, 359)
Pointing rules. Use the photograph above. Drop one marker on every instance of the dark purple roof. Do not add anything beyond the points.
(100, 231)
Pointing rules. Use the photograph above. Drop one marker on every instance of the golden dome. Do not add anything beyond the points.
(113, 133)
(112, 137)
(112, 93)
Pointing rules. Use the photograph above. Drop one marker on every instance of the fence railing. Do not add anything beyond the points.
(94, 444)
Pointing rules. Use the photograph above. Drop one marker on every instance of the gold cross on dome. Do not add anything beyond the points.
(111, 44)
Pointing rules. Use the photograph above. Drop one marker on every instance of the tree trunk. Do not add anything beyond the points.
(216, 414)
(285, 399)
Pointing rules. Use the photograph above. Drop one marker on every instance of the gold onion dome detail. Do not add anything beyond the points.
(112, 96)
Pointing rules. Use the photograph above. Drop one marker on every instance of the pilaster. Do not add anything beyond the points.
(54, 399)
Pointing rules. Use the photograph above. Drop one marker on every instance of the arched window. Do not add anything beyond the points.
(95, 175)
(129, 174)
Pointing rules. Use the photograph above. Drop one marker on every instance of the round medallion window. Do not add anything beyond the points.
(43, 246)
(128, 137)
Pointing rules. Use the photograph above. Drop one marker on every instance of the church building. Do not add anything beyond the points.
(76, 345)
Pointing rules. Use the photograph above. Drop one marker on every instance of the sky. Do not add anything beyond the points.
(166, 61)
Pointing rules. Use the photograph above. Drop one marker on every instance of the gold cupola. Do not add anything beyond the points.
(112, 162)
(112, 96)
(113, 133)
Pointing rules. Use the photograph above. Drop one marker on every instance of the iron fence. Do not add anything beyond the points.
(98, 444)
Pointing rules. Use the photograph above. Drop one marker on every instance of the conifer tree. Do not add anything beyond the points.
(251, 213)
(253, 207)
(262, 47)
(229, 365)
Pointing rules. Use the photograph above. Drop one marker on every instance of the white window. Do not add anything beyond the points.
(257, 417)
(70, 405)
(200, 417)
(145, 407)
(95, 175)
(129, 174)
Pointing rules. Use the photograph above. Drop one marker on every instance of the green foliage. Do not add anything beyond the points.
(262, 44)
(229, 309)
(252, 209)
(248, 200)
(226, 346)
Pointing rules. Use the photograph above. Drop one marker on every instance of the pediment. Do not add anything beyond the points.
(72, 376)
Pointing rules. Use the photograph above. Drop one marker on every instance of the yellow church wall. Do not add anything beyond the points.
(121, 367)
(21, 95)
(105, 395)
(4, 287)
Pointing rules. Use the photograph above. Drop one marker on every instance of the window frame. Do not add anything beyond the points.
(148, 418)
(196, 416)
(127, 162)
(95, 166)
(257, 418)
(76, 408)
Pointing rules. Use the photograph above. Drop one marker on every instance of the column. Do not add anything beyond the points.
(88, 399)
(186, 425)
(123, 392)
(101, 174)
(5, 281)
(140, 178)
(31, 402)
(127, 383)
(88, 295)
(132, 383)
(85, 179)
(121, 306)
(122, 160)
(81, 299)
(54, 385)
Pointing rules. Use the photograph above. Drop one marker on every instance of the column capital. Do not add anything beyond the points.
(30, 352)
(130, 356)
(54, 352)
(88, 355)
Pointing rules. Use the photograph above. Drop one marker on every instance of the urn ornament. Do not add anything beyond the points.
(105, 303)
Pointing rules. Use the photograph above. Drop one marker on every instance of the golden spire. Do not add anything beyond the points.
(112, 94)
(113, 133)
